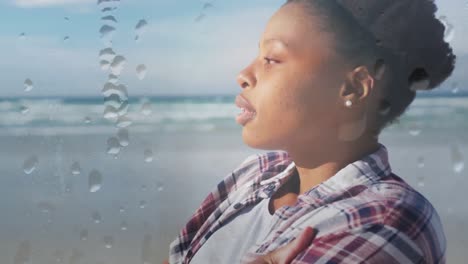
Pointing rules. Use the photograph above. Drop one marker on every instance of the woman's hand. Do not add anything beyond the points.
(286, 254)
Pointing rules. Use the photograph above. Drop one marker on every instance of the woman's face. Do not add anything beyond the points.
(293, 84)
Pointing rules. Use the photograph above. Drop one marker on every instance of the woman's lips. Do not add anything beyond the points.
(244, 117)
(241, 102)
(248, 111)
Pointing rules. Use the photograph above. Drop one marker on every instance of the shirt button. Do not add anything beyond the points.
(238, 206)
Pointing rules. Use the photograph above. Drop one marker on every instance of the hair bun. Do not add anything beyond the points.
(410, 30)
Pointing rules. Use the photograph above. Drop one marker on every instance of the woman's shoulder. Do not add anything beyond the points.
(399, 194)
(393, 202)
(411, 212)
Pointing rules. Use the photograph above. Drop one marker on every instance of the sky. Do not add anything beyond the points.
(183, 56)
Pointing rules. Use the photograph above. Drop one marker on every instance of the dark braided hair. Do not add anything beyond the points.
(402, 36)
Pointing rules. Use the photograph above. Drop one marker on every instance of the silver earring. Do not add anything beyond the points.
(348, 103)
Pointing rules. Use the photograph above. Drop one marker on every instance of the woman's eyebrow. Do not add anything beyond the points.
(274, 39)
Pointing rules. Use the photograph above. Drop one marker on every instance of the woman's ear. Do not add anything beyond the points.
(358, 86)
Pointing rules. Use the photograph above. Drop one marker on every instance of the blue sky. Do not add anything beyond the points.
(182, 56)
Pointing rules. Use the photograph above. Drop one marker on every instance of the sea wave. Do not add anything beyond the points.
(193, 113)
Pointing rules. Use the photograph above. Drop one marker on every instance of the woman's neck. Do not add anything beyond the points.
(315, 165)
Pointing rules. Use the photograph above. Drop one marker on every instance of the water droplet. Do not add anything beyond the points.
(66, 18)
(140, 28)
(159, 186)
(109, 19)
(146, 109)
(66, 38)
(414, 130)
(113, 146)
(207, 5)
(200, 17)
(24, 109)
(23, 253)
(106, 54)
(385, 107)
(46, 207)
(105, 65)
(419, 80)
(118, 64)
(148, 154)
(110, 113)
(22, 36)
(101, 2)
(123, 226)
(108, 9)
(123, 122)
(121, 209)
(75, 168)
(122, 134)
(455, 87)
(30, 164)
(68, 188)
(113, 79)
(106, 31)
(113, 100)
(59, 256)
(449, 32)
(84, 235)
(28, 85)
(144, 187)
(142, 204)
(421, 181)
(120, 90)
(108, 241)
(123, 108)
(458, 161)
(420, 162)
(87, 120)
(96, 217)
(379, 69)
(352, 130)
(94, 181)
(141, 71)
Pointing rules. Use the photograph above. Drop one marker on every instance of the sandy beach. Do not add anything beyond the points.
(50, 215)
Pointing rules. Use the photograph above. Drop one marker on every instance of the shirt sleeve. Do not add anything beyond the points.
(375, 244)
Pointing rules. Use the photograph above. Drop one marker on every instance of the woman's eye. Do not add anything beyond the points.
(268, 60)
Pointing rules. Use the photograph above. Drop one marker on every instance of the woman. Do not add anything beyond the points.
(330, 75)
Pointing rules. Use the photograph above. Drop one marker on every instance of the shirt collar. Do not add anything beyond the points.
(365, 171)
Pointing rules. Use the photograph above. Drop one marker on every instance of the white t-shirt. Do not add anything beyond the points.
(229, 243)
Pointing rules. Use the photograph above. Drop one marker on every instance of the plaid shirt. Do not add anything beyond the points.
(363, 214)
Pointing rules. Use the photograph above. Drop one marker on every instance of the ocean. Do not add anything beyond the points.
(201, 113)
(79, 186)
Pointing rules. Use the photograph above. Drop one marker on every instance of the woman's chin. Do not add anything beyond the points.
(255, 140)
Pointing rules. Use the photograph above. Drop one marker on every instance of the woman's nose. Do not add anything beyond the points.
(246, 78)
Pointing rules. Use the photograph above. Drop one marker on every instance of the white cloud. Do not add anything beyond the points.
(45, 3)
